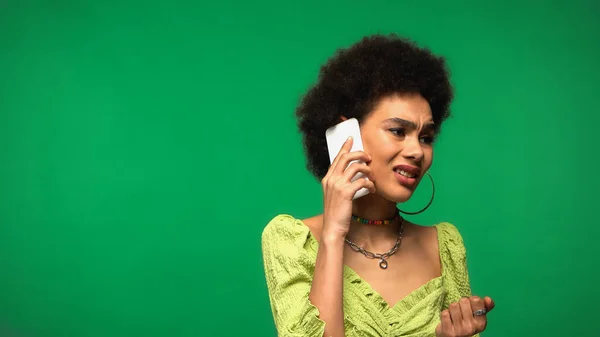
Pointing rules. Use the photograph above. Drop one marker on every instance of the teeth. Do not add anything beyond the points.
(406, 174)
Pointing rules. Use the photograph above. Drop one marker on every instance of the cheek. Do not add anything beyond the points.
(382, 160)
(374, 140)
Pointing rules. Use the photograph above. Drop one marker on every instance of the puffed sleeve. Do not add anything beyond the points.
(289, 267)
(454, 259)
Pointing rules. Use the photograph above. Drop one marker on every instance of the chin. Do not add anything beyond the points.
(398, 195)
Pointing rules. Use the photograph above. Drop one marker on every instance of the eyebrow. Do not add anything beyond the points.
(408, 124)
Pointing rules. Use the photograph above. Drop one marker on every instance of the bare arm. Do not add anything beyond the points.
(338, 191)
(327, 285)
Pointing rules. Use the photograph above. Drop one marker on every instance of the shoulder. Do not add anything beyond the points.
(433, 239)
(449, 235)
(425, 236)
(452, 249)
(284, 230)
(454, 259)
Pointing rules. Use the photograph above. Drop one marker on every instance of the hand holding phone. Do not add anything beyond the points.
(336, 136)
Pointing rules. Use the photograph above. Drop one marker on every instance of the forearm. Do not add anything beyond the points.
(327, 286)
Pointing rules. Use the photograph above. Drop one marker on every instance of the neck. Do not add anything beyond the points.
(375, 237)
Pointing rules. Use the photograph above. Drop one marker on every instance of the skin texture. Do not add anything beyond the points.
(398, 131)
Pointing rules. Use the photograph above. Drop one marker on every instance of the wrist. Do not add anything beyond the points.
(332, 238)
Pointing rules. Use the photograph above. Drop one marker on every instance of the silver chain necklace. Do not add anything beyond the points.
(383, 264)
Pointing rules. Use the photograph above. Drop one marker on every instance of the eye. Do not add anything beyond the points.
(398, 132)
(427, 139)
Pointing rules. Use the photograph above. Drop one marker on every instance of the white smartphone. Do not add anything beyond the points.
(336, 136)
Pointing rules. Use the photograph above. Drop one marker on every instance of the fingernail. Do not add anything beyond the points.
(349, 138)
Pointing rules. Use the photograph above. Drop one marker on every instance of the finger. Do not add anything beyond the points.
(360, 183)
(346, 147)
(478, 304)
(446, 322)
(355, 168)
(468, 321)
(455, 314)
(349, 158)
(489, 303)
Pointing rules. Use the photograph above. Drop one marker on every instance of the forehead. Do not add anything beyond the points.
(407, 106)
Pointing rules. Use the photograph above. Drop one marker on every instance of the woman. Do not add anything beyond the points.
(360, 268)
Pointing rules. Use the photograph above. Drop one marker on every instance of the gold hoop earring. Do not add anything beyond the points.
(430, 200)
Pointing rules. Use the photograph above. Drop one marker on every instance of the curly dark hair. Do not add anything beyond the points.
(353, 81)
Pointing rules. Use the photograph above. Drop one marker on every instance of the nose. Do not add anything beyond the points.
(412, 149)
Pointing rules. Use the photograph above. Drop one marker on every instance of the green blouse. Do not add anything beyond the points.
(289, 255)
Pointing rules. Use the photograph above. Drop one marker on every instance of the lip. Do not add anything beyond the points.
(410, 169)
(406, 181)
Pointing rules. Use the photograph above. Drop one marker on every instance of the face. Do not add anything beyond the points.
(398, 134)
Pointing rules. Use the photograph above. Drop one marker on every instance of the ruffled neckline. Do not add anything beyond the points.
(404, 304)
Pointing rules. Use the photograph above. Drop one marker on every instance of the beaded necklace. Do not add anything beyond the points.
(377, 222)
(383, 264)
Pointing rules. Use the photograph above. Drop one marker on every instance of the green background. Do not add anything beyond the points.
(144, 145)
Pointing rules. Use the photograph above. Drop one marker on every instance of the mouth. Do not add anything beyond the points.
(408, 171)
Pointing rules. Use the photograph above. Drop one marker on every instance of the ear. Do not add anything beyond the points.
(343, 118)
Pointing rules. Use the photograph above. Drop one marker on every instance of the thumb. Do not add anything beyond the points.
(489, 303)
